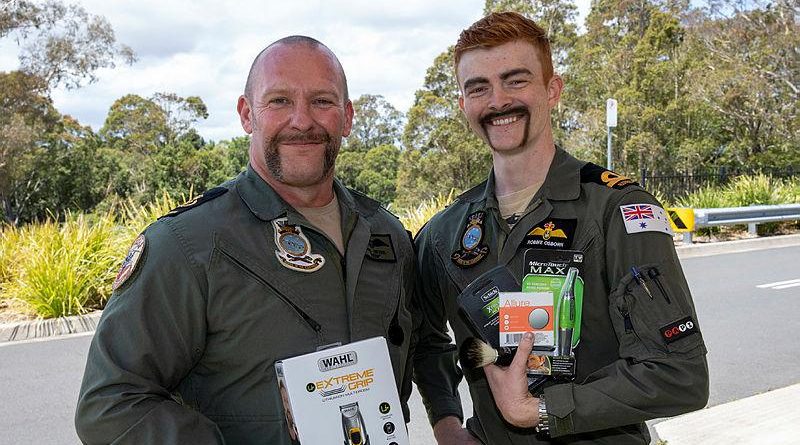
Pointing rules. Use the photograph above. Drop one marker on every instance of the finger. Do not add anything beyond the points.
(520, 362)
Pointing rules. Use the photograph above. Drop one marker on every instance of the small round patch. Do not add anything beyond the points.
(130, 262)
(293, 244)
(472, 237)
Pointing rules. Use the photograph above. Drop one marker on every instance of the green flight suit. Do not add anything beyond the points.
(185, 350)
(626, 372)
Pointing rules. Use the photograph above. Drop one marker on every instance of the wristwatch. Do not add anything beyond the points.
(543, 427)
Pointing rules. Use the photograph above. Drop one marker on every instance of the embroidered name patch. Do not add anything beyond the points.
(679, 329)
(552, 234)
(645, 218)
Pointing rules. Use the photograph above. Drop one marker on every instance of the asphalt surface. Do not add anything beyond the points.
(748, 332)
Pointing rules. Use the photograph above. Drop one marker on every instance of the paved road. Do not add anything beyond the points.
(748, 331)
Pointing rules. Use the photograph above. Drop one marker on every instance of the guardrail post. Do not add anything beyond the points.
(687, 238)
(751, 229)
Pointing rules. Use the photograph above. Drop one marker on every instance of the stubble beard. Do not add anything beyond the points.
(272, 156)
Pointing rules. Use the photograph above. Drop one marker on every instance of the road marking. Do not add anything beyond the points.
(780, 284)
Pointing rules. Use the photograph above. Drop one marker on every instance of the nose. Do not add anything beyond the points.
(499, 99)
(301, 118)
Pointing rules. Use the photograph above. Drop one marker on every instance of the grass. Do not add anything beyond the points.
(414, 219)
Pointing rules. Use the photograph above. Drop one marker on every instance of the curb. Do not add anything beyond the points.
(28, 330)
(767, 418)
(744, 245)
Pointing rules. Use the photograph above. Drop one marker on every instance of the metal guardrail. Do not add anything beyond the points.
(751, 215)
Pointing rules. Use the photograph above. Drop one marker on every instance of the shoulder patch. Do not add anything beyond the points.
(645, 217)
(206, 196)
(599, 175)
(130, 262)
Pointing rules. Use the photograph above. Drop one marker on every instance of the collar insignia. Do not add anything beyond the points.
(294, 249)
(554, 234)
(472, 251)
(130, 262)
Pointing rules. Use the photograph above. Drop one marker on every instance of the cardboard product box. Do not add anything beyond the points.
(342, 395)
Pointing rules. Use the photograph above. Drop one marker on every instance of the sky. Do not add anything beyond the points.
(205, 48)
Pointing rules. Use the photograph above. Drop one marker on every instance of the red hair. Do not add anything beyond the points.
(499, 28)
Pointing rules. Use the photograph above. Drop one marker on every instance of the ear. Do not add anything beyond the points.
(245, 114)
(461, 103)
(554, 88)
(348, 118)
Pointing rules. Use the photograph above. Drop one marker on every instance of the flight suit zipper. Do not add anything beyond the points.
(307, 318)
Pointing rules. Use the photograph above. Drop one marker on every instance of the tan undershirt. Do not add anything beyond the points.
(513, 205)
(327, 218)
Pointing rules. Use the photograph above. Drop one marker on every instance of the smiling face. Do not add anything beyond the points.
(505, 97)
(297, 113)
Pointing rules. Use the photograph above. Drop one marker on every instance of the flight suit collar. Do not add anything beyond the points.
(266, 204)
(562, 183)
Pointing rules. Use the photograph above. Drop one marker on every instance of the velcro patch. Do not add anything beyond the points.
(645, 218)
(599, 175)
(380, 248)
(130, 262)
(679, 329)
(206, 196)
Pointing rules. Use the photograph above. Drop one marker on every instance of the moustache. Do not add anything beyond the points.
(523, 110)
(303, 138)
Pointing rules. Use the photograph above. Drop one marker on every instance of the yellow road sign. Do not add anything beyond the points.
(681, 218)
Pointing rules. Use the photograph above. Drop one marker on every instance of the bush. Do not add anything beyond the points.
(65, 269)
(414, 219)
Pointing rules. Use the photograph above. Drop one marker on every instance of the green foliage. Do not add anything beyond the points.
(62, 44)
(63, 269)
(745, 191)
(413, 219)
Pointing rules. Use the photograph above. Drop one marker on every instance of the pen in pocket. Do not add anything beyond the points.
(637, 276)
(654, 274)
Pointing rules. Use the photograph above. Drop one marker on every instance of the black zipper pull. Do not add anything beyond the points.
(654, 274)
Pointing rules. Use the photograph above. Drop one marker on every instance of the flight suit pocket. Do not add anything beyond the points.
(652, 314)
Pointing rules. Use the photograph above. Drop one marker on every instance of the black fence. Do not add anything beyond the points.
(676, 185)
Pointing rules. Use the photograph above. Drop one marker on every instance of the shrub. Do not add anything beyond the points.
(414, 219)
(65, 269)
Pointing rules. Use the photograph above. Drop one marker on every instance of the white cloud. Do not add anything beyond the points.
(205, 48)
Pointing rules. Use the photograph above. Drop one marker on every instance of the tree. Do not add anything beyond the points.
(61, 44)
(143, 125)
(368, 159)
(441, 153)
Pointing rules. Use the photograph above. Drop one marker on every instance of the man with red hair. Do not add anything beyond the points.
(630, 367)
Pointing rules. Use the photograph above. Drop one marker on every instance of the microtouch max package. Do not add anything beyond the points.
(346, 395)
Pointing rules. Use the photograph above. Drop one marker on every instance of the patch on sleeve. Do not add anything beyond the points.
(130, 262)
(206, 196)
(679, 329)
(599, 175)
(645, 218)
(380, 248)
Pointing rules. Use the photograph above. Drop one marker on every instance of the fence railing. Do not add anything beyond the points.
(677, 185)
(728, 216)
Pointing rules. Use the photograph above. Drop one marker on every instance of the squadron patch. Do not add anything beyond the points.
(130, 262)
(206, 196)
(552, 234)
(472, 251)
(599, 175)
(380, 248)
(294, 249)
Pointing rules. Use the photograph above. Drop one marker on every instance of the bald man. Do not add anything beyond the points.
(275, 263)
